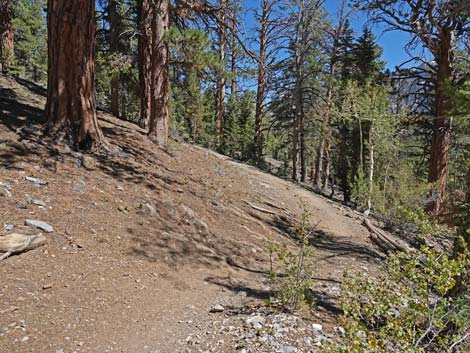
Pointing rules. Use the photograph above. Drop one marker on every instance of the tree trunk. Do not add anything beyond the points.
(114, 49)
(361, 146)
(319, 164)
(145, 11)
(327, 168)
(371, 170)
(295, 141)
(439, 161)
(233, 69)
(71, 105)
(159, 73)
(303, 160)
(259, 111)
(221, 83)
(6, 35)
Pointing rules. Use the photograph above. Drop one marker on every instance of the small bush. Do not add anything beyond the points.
(291, 272)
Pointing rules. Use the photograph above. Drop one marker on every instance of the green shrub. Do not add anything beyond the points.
(408, 309)
(291, 272)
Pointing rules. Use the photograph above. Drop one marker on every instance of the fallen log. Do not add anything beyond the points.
(15, 243)
(386, 241)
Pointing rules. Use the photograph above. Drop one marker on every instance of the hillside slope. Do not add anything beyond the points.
(146, 241)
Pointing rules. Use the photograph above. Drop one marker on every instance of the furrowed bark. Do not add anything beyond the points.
(71, 105)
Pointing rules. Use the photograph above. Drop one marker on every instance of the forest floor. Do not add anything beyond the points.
(147, 241)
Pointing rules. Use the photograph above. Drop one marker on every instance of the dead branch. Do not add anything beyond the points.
(15, 243)
(385, 241)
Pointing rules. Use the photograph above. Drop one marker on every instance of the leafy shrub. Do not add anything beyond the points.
(408, 309)
(291, 272)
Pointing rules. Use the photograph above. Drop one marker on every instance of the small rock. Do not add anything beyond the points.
(340, 331)
(39, 203)
(79, 188)
(47, 286)
(258, 319)
(147, 208)
(217, 309)
(8, 227)
(288, 349)
(24, 339)
(40, 225)
(21, 205)
(317, 327)
(37, 181)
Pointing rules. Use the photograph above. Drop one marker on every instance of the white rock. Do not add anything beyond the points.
(288, 349)
(37, 181)
(317, 327)
(217, 308)
(39, 224)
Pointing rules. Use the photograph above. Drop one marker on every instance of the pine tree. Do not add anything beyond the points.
(71, 106)
(6, 35)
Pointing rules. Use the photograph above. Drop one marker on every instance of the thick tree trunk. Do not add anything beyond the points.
(160, 72)
(439, 161)
(71, 106)
(221, 83)
(114, 49)
(260, 93)
(145, 52)
(6, 35)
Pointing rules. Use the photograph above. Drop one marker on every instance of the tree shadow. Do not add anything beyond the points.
(32, 86)
(16, 115)
(324, 241)
(238, 288)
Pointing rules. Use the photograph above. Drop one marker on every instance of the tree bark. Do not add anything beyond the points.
(6, 35)
(371, 169)
(145, 51)
(114, 49)
(159, 73)
(221, 82)
(71, 105)
(260, 93)
(439, 161)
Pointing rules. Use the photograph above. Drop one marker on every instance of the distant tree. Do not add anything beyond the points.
(436, 25)
(267, 37)
(71, 107)
(30, 28)
(6, 35)
(221, 75)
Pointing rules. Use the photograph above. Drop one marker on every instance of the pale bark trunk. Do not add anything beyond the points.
(259, 111)
(160, 71)
(361, 146)
(71, 105)
(327, 168)
(6, 35)
(371, 170)
(221, 82)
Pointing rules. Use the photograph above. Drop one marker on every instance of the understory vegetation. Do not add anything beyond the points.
(300, 90)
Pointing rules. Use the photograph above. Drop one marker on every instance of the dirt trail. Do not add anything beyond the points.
(146, 241)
